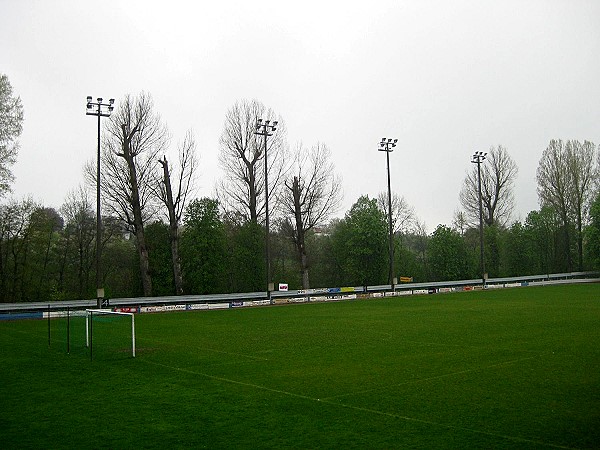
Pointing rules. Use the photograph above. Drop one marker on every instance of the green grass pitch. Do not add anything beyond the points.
(512, 368)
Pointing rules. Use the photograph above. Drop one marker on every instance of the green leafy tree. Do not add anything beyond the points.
(593, 234)
(247, 268)
(448, 256)
(551, 252)
(360, 244)
(518, 257)
(161, 263)
(204, 248)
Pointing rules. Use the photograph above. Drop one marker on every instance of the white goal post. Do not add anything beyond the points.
(89, 334)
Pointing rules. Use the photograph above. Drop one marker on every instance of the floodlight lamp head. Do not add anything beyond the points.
(89, 98)
(275, 122)
(112, 101)
(99, 99)
(395, 140)
(267, 122)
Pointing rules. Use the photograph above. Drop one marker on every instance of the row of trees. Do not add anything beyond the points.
(48, 254)
(158, 239)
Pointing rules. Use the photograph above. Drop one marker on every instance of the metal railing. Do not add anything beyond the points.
(569, 277)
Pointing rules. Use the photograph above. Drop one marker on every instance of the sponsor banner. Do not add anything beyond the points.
(218, 306)
(261, 303)
(420, 291)
(127, 309)
(406, 279)
(445, 290)
(333, 290)
(510, 285)
(174, 308)
(348, 297)
(297, 300)
(404, 292)
(467, 288)
(525, 283)
(431, 291)
(53, 314)
(283, 287)
(197, 306)
(19, 316)
(318, 291)
(152, 309)
(279, 301)
(237, 304)
(377, 294)
(347, 289)
(495, 286)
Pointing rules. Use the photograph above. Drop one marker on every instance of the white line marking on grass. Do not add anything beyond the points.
(227, 380)
(365, 410)
(448, 426)
(436, 377)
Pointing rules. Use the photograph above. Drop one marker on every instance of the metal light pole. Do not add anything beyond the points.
(99, 109)
(478, 158)
(265, 129)
(387, 146)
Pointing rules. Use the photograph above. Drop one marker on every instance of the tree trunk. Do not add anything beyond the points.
(300, 234)
(173, 229)
(138, 223)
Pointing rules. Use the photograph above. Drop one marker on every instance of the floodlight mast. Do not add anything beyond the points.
(265, 129)
(387, 145)
(99, 109)
(478, 158)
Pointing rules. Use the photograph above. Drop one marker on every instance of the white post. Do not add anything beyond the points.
(133, 333)
(87, 329)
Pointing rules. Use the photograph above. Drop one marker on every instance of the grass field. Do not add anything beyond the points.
(513, 368)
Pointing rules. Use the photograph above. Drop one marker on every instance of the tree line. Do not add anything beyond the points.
(160, 239)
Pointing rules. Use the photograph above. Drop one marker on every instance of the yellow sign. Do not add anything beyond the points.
(406, 279)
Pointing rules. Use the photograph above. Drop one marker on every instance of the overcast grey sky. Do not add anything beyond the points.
(444, 77)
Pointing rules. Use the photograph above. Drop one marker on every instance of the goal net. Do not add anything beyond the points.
(109, 332)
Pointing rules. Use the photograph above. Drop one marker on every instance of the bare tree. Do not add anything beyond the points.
(241, 191)
(313, 193)
(175, 202)
(11, 126)
(554, 186)
(459, 221)
(135, 136)
(583, 174)
(403, 215)
(566, 177)
(498, 175)
(78, 212)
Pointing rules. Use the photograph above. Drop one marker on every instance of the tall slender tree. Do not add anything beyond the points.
(567, 176)
(498, 175)
(312, 195)
(583, 175)
(241, 191)
(11, 126)
(135, 136)
(175, 200)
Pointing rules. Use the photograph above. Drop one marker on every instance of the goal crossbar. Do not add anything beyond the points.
(89, 335)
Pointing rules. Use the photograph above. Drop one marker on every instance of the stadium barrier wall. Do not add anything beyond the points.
(39, 310)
